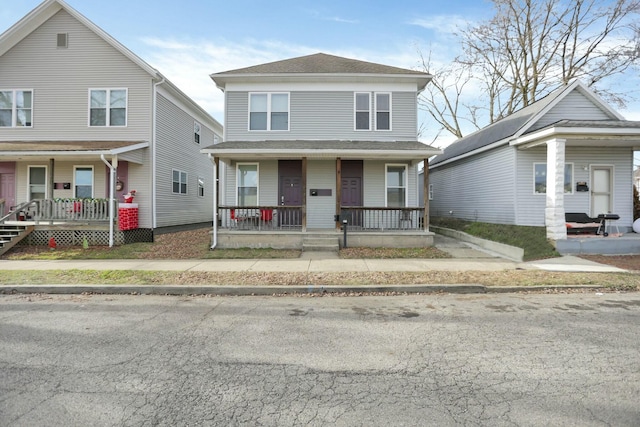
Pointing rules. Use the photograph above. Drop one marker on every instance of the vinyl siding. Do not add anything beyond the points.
(63, 172)
(267, 183)
(476, 189)
(322, 115)
(574, 106)
(374, 184)
(531, 207)
(321, 209)
(61, 89)
(176, 149)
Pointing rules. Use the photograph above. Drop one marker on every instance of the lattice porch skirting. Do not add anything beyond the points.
(41, 237)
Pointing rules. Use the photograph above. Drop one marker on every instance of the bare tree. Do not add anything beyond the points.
(530, 47)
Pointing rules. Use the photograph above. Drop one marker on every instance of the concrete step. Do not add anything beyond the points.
(320, 244)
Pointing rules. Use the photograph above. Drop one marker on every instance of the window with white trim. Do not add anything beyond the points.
(383, 111)
(200, 187)
(83, 182)
(269, 111)
(16, 108)
(540, 178)
(196, 132)
(107, 107)
(396, 186)
(247, 184)
(179, 184)
(37, 182)
(362, 110)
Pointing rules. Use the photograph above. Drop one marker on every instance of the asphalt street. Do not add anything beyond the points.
(439, 359)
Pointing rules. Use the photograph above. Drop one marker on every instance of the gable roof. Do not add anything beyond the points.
(48, 8)
(517, 124)
(320, 64)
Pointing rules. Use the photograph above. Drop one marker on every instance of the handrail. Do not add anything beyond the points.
(16, 210)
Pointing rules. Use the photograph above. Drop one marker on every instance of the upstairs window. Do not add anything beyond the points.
(16, 108)
(108, 107)
(269, 111)
(362, 111)
(383, 111)
(196, 132)
(200, 187)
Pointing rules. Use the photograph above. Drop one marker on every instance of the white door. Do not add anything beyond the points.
(601, 190)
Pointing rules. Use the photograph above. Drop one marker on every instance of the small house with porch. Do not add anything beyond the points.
(317, 143)
(85, 122)
(566, 157)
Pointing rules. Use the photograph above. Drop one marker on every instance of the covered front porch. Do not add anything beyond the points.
(281, 193)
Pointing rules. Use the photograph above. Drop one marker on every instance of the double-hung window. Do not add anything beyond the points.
(200, 187)
(247, 183)
(179, 182)
(83, 182)
(37, 182)
(269, 111)
(383, 111)
(396, 183)
(362, 111)
(16, 108)
(107, 107)
(196, 132)
(540, 178)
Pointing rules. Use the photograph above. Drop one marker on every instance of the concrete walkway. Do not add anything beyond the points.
(465, 257)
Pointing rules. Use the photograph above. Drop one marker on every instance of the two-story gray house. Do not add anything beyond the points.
(316, 141)
(83, 121)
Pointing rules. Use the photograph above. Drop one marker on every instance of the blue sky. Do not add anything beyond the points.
(187, 40)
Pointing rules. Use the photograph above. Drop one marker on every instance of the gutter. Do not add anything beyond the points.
(153, 151)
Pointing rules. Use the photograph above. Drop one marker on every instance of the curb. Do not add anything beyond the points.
(276, 290)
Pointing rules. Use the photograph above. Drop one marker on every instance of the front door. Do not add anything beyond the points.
(290, 192)
(7, 191)
(601, 190)
(351, 190)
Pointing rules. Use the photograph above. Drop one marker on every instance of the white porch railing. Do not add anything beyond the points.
(63, 210)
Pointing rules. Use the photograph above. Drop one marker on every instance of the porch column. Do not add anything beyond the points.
(338, 191)
(554, 212)
(304, 194)
(51, 183)
(425, 195)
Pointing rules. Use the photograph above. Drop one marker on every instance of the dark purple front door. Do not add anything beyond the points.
(290, 191)
(351, 191)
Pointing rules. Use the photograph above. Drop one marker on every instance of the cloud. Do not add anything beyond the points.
(442, 24)
(342, 20)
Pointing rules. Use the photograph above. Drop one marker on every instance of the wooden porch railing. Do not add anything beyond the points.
(285, 218)
(64, 210)
(289, 218)
(381, 219)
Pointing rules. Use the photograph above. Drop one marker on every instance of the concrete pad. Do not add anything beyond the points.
(319, 255)
(573, 264)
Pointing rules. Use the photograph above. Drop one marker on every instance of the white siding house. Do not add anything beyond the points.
(314, 141)
(84, 121)
(567, 153)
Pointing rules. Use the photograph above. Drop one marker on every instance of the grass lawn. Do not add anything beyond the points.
(532, 239)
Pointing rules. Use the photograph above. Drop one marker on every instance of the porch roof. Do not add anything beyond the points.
(15, 150)
(282, 149)
(601, 133)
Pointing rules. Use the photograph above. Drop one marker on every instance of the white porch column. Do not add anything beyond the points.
(554, 212)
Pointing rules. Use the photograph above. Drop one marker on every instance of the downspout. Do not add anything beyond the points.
(214, 241)
(112, 180)
(153, 151)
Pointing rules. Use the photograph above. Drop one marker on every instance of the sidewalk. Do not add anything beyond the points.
(466, 257)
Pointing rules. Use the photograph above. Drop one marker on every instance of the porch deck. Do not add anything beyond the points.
(625, 244)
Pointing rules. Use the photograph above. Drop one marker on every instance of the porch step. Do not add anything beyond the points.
(10, 235)
(320, 244)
